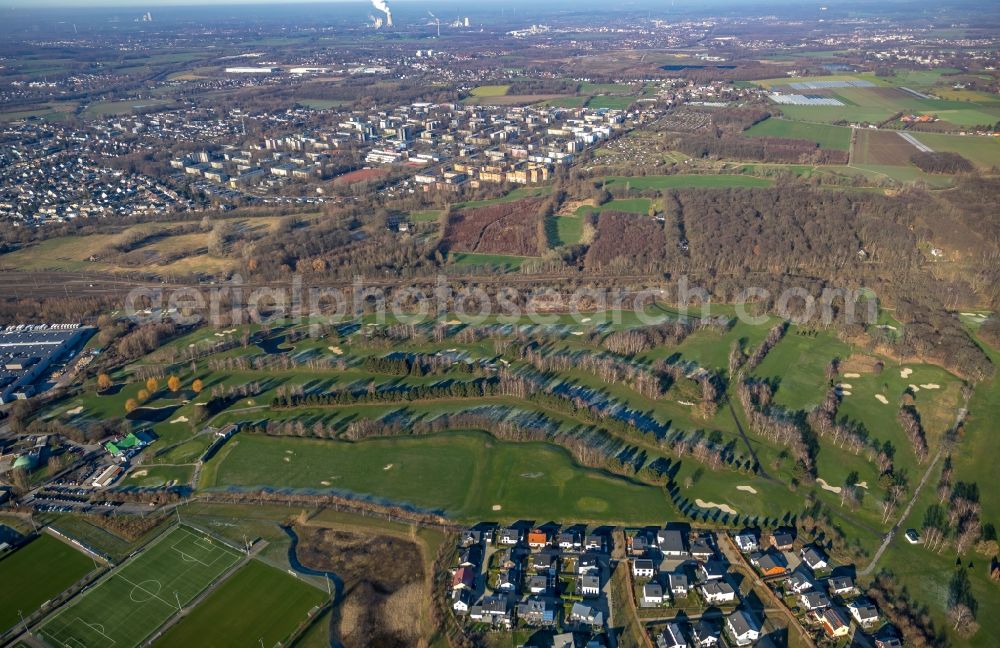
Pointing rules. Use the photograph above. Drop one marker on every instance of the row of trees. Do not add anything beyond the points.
(777, 426)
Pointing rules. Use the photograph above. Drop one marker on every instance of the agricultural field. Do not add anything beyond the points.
(127, 606)
(256, 604)
(828, 137)
(480, 476)
(883, 98)
(42, 569)
(984, 152)
(882, 147)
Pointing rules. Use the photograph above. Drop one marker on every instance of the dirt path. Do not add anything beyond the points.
(753, 453)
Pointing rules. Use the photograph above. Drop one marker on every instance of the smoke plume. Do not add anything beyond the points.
(384, 8)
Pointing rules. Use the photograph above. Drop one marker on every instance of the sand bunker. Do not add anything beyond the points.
(388, 466)
(577, 332)
(180, 419)
(497, 507)
(725, 508)
(75, 410)
(453, 322)
(139, 473)
(914, 388)
(336, 350)
(585, 320)
(325, 483)
(905, 372)
(852, 375)
(747, 489)
(863, 485)
(826, 486)
(882, 399)
(930, 386)
(844, 393)
(288, 460)
(844, 386)
(688, 403)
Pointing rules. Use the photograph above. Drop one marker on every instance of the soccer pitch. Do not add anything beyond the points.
(137, 598)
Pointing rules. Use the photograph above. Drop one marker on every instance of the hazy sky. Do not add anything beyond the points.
(140, 4)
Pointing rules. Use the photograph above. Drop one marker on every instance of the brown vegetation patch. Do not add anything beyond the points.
(361, 175)
(384, 584)
(859, 363)
(626, 241)
(503, 228)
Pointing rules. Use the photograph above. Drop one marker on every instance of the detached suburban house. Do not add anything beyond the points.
(840, 585)
(783, 541)
(671, 543)
(671, 637)
(706, 634)
(536, 612)
(718, 592)
(814, 601)
(583, 613)
(587, 564)
(510, 536)
(747, 541)
(652, 594)
(769, 563)
(835, 623)
(679, 584)
(799, 582)
(590, 585)
(464, 578)
(643, 568)
(538, 539)
(864, 612)
(461, 599)
(742, 628)
(814, 558)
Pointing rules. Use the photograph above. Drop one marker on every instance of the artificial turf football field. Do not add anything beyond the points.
(138, 597)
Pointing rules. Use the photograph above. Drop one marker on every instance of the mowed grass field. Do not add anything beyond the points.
(465, 474)
(257, 603)
(490, 91)
(35, 573)
(138, 597)
(828, 137)
(611, 102)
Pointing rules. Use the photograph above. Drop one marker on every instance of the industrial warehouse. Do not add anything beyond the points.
(26, 352)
